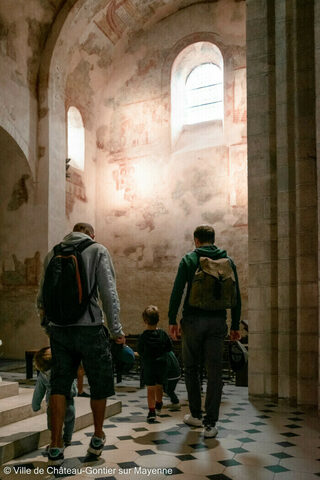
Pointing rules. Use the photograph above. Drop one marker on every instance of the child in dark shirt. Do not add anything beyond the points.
(153, 345)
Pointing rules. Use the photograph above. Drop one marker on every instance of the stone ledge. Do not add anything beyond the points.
(8, 389)
(30, 434)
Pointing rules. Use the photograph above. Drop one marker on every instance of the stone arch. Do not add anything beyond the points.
(181, 45)
(231, 71)
(52, 141)
(8, 127)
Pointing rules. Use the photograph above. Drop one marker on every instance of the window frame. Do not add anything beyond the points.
(189, 58)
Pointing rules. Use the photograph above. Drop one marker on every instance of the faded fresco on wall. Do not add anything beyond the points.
(124, 181)
(24, 273)
(75, 189)
(119, 15)
(19, 194)
(240, 96)
(238, 175)
(136, 125)
(113, 60)
(151, 197)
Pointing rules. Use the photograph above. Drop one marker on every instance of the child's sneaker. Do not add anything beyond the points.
(84, 395)
(96, 446)
(55, 456)
(159, 406)
(151, 416)
(174, 406)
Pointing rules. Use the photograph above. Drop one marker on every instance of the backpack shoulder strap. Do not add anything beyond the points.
(85, 244)
(57, 249)
(80, 248)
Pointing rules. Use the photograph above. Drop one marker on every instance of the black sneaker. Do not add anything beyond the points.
(96, 446)
(84, 395)
(151, 416)
(55, 456)
(159, 405)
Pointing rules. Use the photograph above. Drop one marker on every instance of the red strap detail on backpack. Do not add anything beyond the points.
(77, 273)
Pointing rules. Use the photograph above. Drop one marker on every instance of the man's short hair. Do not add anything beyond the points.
(205, 234)
(84, 228)
(43, 359)
(151, 315)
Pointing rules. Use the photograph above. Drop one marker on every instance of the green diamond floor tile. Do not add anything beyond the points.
(229, 463)
(245, 440)
(277, 468)
(238, 450)
(281, 455)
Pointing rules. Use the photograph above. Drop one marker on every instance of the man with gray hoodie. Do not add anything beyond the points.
(84, 340)
(203, 332)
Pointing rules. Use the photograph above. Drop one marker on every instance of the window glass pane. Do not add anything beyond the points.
(204, 94)
(204, 113)
(209, 94)
(76, 142)
(204, 74)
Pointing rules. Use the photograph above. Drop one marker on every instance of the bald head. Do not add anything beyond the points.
(84, 228)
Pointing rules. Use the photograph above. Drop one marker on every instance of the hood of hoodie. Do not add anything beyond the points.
(154, 343)
(75, 238)
(211, 251)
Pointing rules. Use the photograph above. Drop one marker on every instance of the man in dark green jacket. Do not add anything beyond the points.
(203, 333)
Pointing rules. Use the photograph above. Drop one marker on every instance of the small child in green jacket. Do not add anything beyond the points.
(173, 376)
(43, 361)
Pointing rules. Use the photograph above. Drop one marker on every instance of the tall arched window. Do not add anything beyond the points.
(76, 141)
(204, 94)
(197, 91)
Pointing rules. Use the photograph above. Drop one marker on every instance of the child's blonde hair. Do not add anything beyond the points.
(43, 359)
(151, 315)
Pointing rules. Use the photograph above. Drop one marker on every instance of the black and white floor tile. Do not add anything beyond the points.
(257, 440)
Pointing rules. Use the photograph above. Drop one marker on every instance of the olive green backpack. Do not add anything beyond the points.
(213, 285)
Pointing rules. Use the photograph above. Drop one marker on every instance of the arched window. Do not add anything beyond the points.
(76, 142)
(197, 95)
(204, 94)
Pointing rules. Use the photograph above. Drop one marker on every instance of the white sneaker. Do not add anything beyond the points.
(173, 406)
(209, 431)
(192, 421)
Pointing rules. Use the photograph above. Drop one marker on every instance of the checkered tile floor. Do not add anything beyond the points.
(257, 440)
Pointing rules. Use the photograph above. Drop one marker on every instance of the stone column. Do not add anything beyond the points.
(263, 321)
(317, 83)
(283, 314)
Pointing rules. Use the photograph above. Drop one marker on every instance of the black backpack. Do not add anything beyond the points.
(65, 286)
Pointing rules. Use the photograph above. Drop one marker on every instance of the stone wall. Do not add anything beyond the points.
(21, 242)
(151, 194)
(144, 195)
